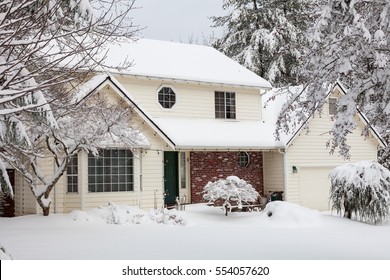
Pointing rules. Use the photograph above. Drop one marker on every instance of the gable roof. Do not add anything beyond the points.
(177, 61)
(195, 134)
(270, 113)
(99, 81)
(216, 134)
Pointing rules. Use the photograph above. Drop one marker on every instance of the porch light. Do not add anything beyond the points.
(294, 169)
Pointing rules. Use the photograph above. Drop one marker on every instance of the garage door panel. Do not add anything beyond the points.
(314, 187)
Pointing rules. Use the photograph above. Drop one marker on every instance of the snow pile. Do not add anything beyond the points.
(4, 254)
(166, 217)
(125, 215)
(290, 214)
(230, 190)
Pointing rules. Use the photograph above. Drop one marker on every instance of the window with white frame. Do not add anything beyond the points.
(225, 105)
(72, 174)
(243, 159)
(166, 97)
(183, 170)
(111, 171)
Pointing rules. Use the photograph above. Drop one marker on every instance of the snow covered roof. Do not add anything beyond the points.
(214, 134)
(197, 133)
(272, 102)
(188, 62)
(276, 98)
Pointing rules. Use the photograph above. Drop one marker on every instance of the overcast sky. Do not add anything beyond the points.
(177, 20)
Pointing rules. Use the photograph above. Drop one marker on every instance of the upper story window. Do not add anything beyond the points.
(111, 171)
(332, 106)
(225, 105)
(166, 97)
(72, 175)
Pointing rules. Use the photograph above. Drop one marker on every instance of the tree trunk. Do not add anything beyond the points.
(347, 210)
(347, 214)
(46, 211)
(45, 208)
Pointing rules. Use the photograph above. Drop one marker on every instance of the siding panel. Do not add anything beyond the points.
(309, 150)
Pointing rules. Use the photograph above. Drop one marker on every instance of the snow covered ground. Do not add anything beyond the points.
(282, 231)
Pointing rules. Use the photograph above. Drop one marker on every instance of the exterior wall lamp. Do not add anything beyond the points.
(294, 169)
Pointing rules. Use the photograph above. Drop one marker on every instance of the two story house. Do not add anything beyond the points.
(203, 117)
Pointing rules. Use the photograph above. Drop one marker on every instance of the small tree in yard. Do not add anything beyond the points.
(230, 190)
(362, 189)
(48, 48)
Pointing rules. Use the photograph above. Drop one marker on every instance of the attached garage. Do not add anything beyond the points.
(307, 159)
(314, 187)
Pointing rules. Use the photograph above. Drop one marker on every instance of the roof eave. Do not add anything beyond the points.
(193, 81)
(227, 148)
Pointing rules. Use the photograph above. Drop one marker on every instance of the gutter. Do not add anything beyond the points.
(189, 81)
(225, 148)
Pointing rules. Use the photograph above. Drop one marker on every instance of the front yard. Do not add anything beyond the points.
(281, 231)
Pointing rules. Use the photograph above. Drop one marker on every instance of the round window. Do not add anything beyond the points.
(166, 97)
(243, 159)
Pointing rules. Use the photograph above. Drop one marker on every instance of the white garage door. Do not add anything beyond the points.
(314, 187)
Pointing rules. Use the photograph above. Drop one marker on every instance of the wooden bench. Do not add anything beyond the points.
(244, 208)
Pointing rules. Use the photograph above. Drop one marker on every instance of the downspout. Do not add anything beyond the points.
(284, 153)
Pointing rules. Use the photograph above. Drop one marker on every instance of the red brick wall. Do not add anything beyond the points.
(211, 166)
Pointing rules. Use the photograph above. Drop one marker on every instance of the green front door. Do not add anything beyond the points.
(171, 186)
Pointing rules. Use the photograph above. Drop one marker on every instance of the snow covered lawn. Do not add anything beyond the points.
(281, 231)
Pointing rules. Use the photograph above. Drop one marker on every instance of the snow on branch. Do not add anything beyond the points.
(361, 189)
(230, 190)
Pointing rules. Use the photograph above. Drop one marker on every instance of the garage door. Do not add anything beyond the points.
(314, 187)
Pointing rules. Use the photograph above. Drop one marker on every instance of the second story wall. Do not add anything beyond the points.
(192, 100)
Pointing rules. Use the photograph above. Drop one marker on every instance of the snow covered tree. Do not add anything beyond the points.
(349, 43)
(230, 190)
(362, 189)
(384, 153)
(86, 125)
(267, 36)
(47, 47)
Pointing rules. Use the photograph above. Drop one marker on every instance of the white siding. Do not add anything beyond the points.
(309, 151)
(273, 165)
(192, 100)
(25, 202)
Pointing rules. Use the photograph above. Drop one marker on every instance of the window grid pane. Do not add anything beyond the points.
(166, 97)
(243, 159)
(112, 171)
(225, 105)
(72, 175)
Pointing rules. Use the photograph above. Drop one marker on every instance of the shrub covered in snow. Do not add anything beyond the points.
(167, 217)
(123, 214)
(230, 190)
(362, 189)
